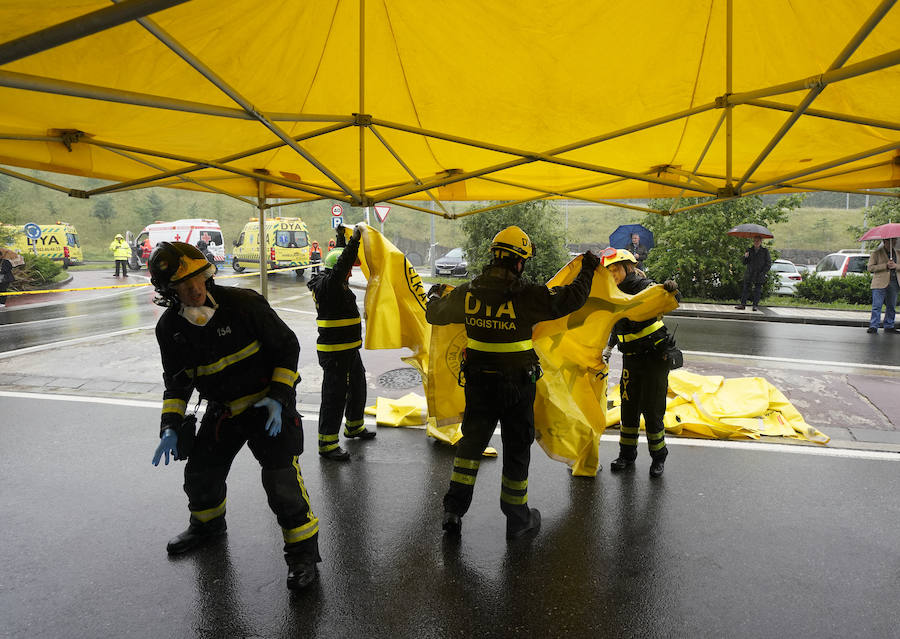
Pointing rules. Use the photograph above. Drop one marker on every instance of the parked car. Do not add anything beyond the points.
(842, 263)
(788, 276)
(453, 263)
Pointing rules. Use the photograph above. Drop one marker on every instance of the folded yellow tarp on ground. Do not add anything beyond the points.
(734, 408)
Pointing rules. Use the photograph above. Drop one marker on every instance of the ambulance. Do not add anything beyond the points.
(287, 244)
(204, 234)
(57, 241)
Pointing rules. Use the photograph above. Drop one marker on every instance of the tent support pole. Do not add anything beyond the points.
(729, 108)
(830, 115)
(157, 167)
(406, 168)
(814, 92)
(261, 206)
(195, 164)
(26, 82)
(80, 27)
(693, 174)
(823, 167)
(526, 157)
(232, 93)
(572, 195)
(34, 180)
(362, 106)
(865, 167)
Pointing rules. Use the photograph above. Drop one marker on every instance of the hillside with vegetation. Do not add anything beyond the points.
(823, 227)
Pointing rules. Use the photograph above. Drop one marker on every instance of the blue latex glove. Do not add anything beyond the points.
(167, 444)
(273, 424)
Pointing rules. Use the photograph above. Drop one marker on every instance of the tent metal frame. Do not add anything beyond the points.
(693, 182)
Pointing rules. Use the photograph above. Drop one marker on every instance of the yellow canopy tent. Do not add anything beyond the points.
(402, 100)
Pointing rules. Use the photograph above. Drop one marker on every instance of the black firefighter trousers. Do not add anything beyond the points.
(343, 395)
(645, 380)
(219, 439)
(491, 397)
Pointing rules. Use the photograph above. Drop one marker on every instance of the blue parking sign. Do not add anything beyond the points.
(32, 231)
(336, 222)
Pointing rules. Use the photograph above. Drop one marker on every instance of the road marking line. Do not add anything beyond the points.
(68, 342)
(51, 319)
(795, 449)
(293, 310)
(763, 358)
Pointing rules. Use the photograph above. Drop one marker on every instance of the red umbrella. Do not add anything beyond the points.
(883, 232)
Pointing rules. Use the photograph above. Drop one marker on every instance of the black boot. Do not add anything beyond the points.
(657, 467)
(196, 535)
(363, 434)
(301, 575)
(533, 525)
(336, 454)
(452, 524)
(620, 463)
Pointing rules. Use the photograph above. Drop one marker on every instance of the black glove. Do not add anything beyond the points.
(436, 291)
(590, 260)
(339, 238)
(670, 286)
(357, 233)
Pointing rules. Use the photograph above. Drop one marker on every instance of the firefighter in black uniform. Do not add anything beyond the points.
(241, 357)
(645, 371)
(340, 338)
(500, 370)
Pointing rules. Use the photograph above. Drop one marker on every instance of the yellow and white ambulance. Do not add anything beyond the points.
(286, 242)
(57, 241)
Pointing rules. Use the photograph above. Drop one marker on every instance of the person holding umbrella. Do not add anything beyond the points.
(883, 267)
(757, 262)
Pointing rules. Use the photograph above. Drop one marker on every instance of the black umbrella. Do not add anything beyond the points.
(750, 231)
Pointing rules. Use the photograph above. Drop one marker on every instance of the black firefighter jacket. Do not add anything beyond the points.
(637, 337)
(499, 311)
(245, 352)
(340, 327)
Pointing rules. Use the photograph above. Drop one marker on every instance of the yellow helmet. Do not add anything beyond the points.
(513, 240)
(612, 255)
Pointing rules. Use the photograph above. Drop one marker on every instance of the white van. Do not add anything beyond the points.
(204, 234)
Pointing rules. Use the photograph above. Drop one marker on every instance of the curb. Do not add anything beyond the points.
(763, 317)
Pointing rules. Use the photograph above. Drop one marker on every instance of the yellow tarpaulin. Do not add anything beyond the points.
(734, 408)
(570, 405)
(471, 99)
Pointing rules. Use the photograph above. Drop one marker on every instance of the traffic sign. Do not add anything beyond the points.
(337, 210)
(32, 231)
(336, 222)
(381, 213)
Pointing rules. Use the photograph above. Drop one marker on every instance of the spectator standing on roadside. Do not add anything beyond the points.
(638, 250)
(757, 263)
(883, 267)
(6, 278)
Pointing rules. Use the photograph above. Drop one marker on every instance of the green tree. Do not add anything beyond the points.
(694, 248)
(887, 210)
(150, 210)
(103, 210)
(540, 219)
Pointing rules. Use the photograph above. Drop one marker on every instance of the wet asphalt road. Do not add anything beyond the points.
(755, 544)
(118, 310)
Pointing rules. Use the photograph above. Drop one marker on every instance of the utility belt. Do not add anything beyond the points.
(512, 375)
